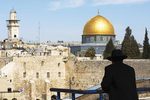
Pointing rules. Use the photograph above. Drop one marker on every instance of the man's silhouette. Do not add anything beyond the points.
(119, 78)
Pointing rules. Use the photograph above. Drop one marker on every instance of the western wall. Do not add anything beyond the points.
(85, 74)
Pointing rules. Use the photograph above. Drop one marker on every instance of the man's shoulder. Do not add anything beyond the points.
(108, 67)
(121, 65)
(128, 66)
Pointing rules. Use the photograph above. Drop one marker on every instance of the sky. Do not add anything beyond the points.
(65, 19)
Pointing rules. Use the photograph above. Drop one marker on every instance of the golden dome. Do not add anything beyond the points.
(98, 25)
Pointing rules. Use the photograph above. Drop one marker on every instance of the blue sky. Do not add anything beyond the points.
(65, 19)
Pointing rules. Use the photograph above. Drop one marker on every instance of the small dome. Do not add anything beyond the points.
(98, 25)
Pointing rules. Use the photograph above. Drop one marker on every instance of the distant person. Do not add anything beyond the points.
(119, 79)
(53, 97)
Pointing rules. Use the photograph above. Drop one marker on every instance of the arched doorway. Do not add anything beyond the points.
(14, 99)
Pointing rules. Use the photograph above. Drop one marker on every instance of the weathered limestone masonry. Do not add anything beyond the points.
(89, 73)
(141, 66)
(37, 74)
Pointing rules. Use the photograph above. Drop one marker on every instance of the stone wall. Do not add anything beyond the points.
(89, 73)
(75, 74)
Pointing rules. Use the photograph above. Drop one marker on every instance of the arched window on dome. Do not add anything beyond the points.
(107, 38)
(101, 38)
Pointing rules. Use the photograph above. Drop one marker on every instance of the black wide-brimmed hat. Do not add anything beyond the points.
(116, 54)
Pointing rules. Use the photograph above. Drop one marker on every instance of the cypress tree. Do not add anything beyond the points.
(126, 44)
(149, 52)
(146, 46)
(129, 45)
(109, 48)
(134, 48)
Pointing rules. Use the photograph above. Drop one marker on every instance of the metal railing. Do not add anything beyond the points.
(73, 92)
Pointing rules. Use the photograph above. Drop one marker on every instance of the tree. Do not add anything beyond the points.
(129, 45)
(126, 44)
(146, 48)
(134, 48)
(109, 48)
(90, 52)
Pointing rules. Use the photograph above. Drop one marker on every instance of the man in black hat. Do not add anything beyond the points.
(119, 78)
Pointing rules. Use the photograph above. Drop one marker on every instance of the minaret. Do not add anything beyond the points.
(13, 26)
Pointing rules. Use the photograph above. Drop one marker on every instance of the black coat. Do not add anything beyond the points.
(119, 82)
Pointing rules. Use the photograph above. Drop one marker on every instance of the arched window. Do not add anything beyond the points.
(48, 74)
(9, 90)
(37, 75)
(42, 63)
(58, 64)
(59, 74)
(24, 64)
(15, 36)
(24, 74)
(5, 99)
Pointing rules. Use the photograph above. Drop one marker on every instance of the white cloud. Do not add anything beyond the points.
(105, 2)
(54, 5)
(60, 4)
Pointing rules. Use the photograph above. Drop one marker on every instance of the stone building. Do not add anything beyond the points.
(34, 75)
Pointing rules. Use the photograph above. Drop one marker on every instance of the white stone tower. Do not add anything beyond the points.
(13, 26)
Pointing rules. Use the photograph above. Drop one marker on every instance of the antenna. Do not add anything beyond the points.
(39, 32)
(98, 11)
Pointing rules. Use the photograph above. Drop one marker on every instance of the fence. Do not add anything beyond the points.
(98, 91)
